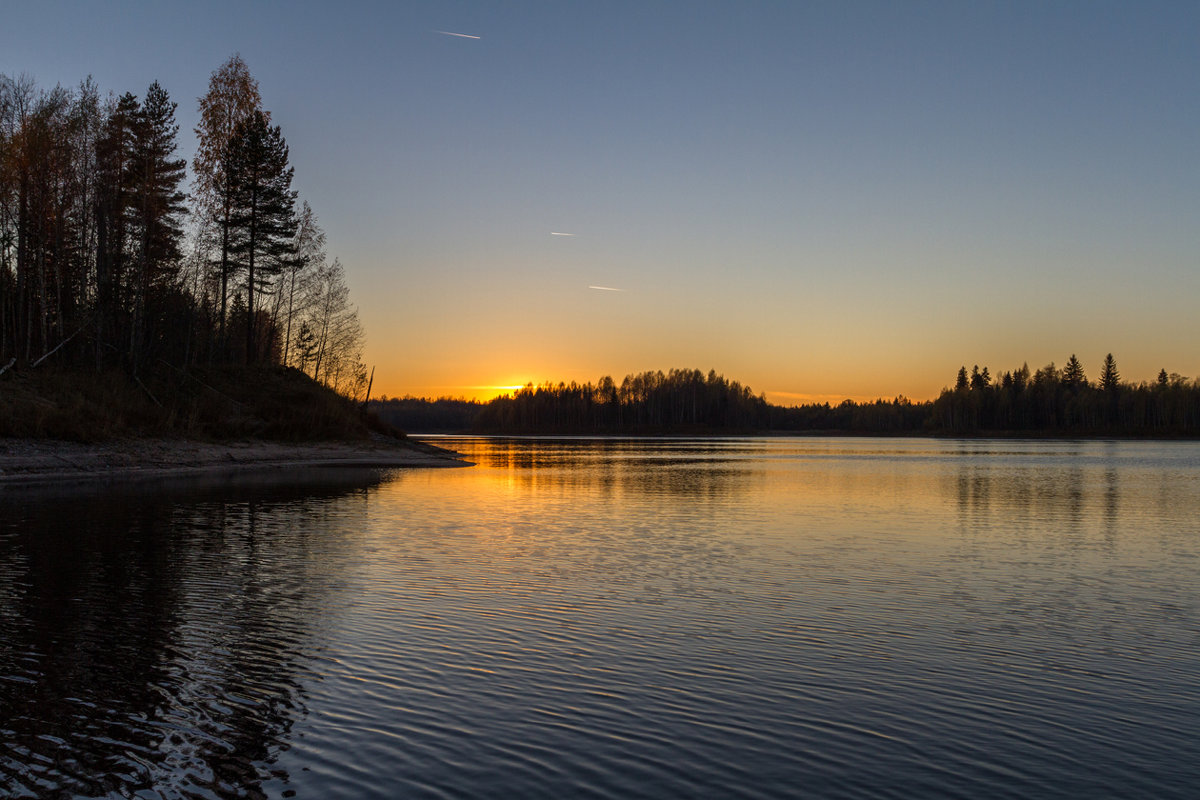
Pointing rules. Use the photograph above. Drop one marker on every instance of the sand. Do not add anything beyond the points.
(41, 462)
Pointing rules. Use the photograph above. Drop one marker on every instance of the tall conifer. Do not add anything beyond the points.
(1072, 376)
(1110, 379)
(158, 204)
(115, 217)
(232, 98)
(262, 219)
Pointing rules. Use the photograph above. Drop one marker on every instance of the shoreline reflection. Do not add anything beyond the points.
(152, 642)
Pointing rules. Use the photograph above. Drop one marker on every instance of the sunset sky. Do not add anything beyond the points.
(821, 200)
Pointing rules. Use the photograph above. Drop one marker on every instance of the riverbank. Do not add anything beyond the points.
(213, 404)
(41, 461)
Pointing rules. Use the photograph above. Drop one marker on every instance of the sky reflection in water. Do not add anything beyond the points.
(755, 618)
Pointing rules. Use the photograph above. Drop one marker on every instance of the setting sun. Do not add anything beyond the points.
(622, 400)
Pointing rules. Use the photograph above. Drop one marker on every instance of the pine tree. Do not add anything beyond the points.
(158, 204)
(116, 237)
(232, 98)
(1110, 379)
(1021, 378)
(1110, 384)
(262, 219)
(1072, 374)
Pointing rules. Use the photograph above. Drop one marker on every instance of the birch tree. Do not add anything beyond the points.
(293, 296)
(335, 331)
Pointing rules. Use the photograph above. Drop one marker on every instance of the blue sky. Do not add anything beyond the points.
(819, 199)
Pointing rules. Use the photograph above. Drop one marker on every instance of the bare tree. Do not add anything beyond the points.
(337, 334)
(292, 296)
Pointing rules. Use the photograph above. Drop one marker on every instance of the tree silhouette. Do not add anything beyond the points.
(961, 384)
(231, 99)
(92, 221)
(1072, 374)
(980, 379)
(157, 206)
(1110, 379)
(262, 220)
(115, 212)
(294, 297)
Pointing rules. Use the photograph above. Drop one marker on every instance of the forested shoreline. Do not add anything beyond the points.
(111, 260)
(1064, 401)
(1050, 401)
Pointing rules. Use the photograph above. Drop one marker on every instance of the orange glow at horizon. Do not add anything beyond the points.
(478, 392)
(484, 392)
(806, 399)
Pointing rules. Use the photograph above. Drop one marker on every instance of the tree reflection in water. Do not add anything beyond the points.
(152, 639)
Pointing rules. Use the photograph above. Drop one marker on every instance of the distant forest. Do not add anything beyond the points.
(107, 263)
(1050, 401)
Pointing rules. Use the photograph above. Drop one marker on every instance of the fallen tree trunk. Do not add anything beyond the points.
(60, 344)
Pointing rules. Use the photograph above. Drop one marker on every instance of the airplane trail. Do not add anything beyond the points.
(459, 35)
(606, 289)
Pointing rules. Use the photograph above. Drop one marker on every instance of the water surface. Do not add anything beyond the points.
(608, 618)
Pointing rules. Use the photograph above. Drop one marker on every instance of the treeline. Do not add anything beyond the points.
(107, 261)
(680, 401)
(649, 402)
(444, 415)
(1064, 401)
(899, 415)
(1050, 401)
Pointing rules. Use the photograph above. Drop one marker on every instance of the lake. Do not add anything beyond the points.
(810, 617)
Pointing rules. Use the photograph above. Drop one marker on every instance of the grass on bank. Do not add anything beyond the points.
(218, 403)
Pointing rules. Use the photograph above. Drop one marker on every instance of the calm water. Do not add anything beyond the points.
(614, 619)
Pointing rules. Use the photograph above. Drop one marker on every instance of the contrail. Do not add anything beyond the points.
(556, 233)
(606, 289)
(459, 35)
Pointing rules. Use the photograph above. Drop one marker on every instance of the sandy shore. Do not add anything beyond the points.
(29, 461)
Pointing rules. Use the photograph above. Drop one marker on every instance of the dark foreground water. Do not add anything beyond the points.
(751, 618)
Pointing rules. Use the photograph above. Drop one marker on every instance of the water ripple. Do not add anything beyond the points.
(741, 618)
